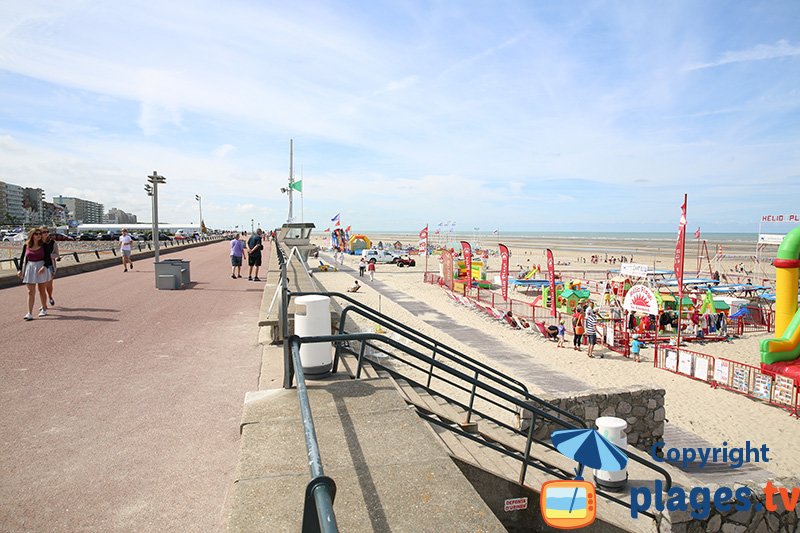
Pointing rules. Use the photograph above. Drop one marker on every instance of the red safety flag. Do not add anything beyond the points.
(551, 275)
(423, 240)
(697, 233)
(503, 270)
(467, 263)
(679, 251)
(347, 229)
(327, 230)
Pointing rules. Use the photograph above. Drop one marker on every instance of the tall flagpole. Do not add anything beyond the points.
(680, 248)
(291, 177)
(302, 206)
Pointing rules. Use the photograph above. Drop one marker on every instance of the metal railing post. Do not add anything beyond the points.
(430, 371)
(528, 443)
(472, 399)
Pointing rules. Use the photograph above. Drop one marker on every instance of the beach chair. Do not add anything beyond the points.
(521, 323)
(542, 328)
(494, 313)
(512, 321)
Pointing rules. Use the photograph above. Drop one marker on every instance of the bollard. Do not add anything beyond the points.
(114, 251)
(75, 255)
(16, 263)
(317, 358)
(97, 253)
(613, 429)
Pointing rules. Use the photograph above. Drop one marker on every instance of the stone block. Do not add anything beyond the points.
(658, 415)
(733, 528)
(591, 412)
(651, 403)
(715, 524)
(624, 408)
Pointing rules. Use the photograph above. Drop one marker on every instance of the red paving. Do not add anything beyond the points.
(120, 411)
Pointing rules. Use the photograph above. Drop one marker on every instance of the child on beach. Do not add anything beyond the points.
(562, 331)
(636, 348)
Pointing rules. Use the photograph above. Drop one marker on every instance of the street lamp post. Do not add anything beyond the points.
(154, 180)
(252, 230)
(200, 203)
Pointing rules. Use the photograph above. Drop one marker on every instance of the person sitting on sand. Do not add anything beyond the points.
(354, 288)
(552, 331)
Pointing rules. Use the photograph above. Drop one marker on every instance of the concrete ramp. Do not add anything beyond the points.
(390, 472)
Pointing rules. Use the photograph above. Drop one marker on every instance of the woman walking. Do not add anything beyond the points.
(578, 325)
(51, 249)
(35, 263)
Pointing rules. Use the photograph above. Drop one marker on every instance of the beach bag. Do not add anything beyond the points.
(579, 327)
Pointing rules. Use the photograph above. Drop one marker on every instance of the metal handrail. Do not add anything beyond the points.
(524, 457)
(318, 514)
(433, 344)
(321, 488)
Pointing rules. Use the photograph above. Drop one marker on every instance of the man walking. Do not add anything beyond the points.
(254, 246)
(125, 249)
(591, 329)
(237, 250)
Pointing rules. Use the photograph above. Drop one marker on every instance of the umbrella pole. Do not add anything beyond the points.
(578, 475)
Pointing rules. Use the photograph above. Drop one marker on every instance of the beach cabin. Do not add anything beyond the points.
(570, 298)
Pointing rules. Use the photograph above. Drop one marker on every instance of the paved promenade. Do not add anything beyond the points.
(121, 410)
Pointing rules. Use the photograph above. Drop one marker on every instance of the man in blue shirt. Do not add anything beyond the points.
(254, 246)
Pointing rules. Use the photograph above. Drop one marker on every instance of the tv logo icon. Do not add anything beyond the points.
(568, 504)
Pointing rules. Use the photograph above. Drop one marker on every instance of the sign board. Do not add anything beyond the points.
(781, 218)
(762, 386)
(701, 368)
(685, 363)
(640, 299)
(721, 372)
(770, 238)
(515, 504)
(783, 392)
(633, 270)
(671, 362)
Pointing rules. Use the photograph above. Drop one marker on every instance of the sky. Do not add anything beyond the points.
(510, 115)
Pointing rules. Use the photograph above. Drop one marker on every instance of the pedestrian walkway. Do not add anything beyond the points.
(543, 377)
(121, 408)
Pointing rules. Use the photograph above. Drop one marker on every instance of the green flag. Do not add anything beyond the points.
(297, 185)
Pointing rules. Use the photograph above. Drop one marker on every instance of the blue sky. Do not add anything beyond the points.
(525, 115)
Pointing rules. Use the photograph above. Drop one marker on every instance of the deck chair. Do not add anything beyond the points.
(512, 321)
(355, 288)
(496, 314)
(543, 330)
(521, 324)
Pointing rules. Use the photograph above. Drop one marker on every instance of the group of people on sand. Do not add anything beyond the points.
(584, 322)
(37, 267)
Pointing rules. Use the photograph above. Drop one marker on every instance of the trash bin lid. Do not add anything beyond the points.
(610, 422)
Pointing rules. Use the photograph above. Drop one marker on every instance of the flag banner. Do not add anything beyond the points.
(338, 222)
(679, 250)
(297, 185)
(347, 229)
(423, 240)
(504, 270)
(327, 230)
(697, 233)
(446, 258)
(467, 263)
(336, 218)
(551, 276)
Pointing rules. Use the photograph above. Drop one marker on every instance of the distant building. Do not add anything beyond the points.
(118, 216)
(20, 205)
(83, 211)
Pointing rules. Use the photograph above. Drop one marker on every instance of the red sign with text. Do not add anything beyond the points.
(551, 275)
(503, 270)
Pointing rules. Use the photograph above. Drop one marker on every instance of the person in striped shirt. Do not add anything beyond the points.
(591, 329)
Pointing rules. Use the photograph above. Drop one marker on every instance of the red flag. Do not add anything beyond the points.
(338, 223)
(697, 233)
(679, 251)
(423, 240)
(467, 262)
(347, 229)
(327, 230)
(551, 275)
(503, 270)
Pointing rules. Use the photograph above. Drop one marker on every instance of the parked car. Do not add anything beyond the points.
(379, 256)
(9, 237)
(87, 237)
(59, 236)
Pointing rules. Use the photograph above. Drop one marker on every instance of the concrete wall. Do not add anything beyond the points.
(641, 407)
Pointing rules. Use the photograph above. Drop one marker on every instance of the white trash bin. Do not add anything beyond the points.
(317, 358)
(613, 429)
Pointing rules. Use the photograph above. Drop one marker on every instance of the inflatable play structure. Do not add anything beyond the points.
(781, 354)
(478, 276)
(358, 243)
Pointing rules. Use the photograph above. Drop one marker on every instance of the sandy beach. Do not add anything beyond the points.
(715, 415)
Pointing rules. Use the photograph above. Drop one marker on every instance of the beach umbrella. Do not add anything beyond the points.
(589, 448)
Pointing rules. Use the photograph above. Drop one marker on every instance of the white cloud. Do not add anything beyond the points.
(223, 150)
(759, 52)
